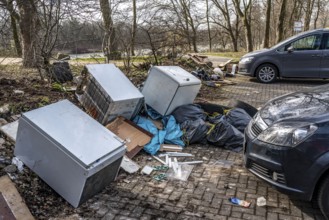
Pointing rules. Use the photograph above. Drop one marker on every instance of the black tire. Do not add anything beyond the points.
(245, 106)
(323, 197)
(267, 73)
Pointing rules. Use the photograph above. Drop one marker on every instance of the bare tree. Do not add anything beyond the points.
(280, 27)
(245, 15)
(308, 14)
(226, 12)
(208, 25)
(109, 43)
(134, 28)
(267, 24)
(14, 17)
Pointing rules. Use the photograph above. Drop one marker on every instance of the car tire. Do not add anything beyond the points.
(267, 73)
(323, 197)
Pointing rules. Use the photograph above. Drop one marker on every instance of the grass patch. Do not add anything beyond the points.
(234, 55)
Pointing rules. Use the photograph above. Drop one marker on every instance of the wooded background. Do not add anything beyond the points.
(37, 29)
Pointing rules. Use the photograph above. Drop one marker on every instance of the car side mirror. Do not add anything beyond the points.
(290, 49)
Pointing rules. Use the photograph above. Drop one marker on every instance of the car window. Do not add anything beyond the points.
(326, 42)
(311, 42)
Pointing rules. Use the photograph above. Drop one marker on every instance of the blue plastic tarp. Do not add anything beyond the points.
(171, 133)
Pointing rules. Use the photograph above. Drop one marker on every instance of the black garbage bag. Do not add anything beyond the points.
(194, 131)
(211, 108)
(227, 136)
(239, 118)
(61, 72)
(214, 118)
(190, 112)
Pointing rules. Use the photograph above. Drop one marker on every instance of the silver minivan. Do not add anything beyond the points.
(305, 55)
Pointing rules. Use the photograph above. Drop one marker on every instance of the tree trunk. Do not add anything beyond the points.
(29, 24)
(14, 18)
(308, 14)
(208, 25)
(109, 44)
(134, 28)
(245, 16)
(267, 24)
(317, 14)
(282, 16)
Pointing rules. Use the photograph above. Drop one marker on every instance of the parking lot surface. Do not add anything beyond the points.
(206, 193)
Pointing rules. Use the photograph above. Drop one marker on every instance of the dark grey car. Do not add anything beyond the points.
(305, 55)
(287, 144)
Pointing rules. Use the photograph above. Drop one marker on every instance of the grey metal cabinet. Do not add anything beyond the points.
(70, 151)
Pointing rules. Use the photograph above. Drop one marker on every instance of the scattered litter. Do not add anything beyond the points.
(18, 163)
(239, 202)
(191, 162)
(4, 109)
(160, 168)
(261, 201)
(170, 148)
(229, 186)
(181, 173)
(126, 181)
(158, 159)
(15, 117)
(3, 122)
(10, 130)
(160, 177)
(10, 168)
(147, 170)
(18, 92)
(223, 163)
(129, 166)
(176, 154)
(2, 141)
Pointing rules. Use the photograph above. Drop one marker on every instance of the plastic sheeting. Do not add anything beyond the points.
(171, 133)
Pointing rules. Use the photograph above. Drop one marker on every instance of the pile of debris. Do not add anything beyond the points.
(124, 120)
(213, 76)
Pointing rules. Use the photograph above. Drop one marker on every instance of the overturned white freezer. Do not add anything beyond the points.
(108, 93)
(168, 87)
(70, 151)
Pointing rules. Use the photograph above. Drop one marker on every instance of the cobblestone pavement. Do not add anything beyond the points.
(205, 194)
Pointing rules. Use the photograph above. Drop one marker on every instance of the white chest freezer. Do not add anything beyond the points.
(70, 151)
(168, 87)
(109, 93)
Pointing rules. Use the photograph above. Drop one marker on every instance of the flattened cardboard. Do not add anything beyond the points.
(134, 136)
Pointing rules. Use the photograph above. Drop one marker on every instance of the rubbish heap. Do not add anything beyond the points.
(78, 153)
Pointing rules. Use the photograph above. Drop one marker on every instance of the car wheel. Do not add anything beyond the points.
(323, 197)
(266, 73)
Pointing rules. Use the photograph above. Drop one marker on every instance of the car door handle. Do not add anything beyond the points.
(316, 55)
